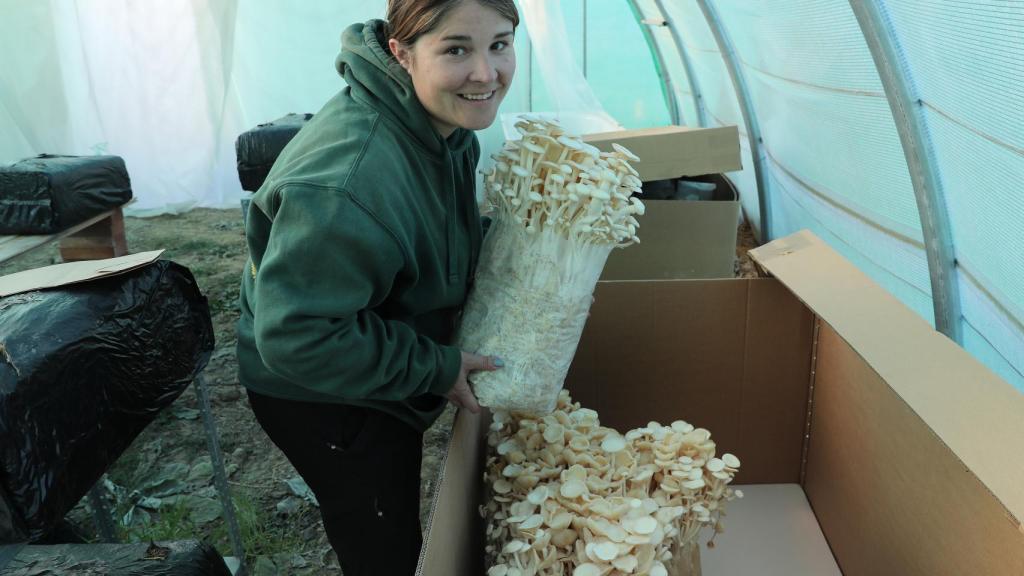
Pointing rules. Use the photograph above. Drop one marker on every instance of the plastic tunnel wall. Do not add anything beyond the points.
(836, 150)
(893, 129)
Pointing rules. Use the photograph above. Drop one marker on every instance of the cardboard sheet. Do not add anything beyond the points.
(916, 457)
(771, 531)
(72, 272)
(890, 496)
(970, 409)
(732, 356)
(453, 545)
(679, 239)
(673, 151)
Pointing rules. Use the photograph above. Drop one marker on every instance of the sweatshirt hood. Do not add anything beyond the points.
(376, 78)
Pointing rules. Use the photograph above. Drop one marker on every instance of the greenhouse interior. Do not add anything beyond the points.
(851, 325)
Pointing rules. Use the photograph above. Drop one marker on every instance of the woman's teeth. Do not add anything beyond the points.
(486, 96)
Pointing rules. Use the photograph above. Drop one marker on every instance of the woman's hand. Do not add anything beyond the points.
(461, 394)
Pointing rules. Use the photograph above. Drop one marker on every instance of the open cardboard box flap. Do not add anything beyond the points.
(915, 463)
(73, 272)
(910, 452)
(974, 412)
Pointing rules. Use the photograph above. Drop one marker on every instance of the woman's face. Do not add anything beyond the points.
(462, 69)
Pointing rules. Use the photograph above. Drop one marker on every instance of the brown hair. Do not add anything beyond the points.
(410, 19)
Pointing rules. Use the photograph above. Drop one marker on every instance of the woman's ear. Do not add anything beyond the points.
(400, 52)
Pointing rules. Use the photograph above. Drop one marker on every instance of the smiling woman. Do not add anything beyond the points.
(363, 240)
(460, 58)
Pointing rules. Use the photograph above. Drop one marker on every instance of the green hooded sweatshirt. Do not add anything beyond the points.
(363, 241)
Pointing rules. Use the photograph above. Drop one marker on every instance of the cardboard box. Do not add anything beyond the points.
(682, 238)
(673, 151)
(909, 452)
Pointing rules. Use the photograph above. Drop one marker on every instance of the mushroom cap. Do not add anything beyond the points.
(730, 460)
(627, 563)
(644, 525)
(520, 171)
(694, 484)
(532, 522)
(613, 443)
(570, 143)
(715, 465)
(538, 495)
(573, 489)
(514, 546)
(591, 150)
(606, 551)
(532, 147)
(625, 152)
(588, 569)
(554, 433)
(508, 446)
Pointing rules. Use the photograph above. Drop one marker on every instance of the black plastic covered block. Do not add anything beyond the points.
(258, 149)
(47, 194)
(83, 370)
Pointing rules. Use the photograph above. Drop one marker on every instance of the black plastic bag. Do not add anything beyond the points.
(710, 187)
(258, 149)
(12, 529)
(49, 193)
(83, 369)
(188, 558)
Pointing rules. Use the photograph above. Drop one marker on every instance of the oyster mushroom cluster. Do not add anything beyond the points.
(568, 496)
(559, 207)
(549, 180)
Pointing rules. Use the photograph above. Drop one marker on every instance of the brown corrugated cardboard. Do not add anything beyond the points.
(682, 239)
(73, 272)
(731, 356)
(770, 532)
(674, 151)
(454, 544)
(908, 421)
(912, 460)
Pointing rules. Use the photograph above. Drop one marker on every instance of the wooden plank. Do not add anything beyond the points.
(103, 239)
(16, 245)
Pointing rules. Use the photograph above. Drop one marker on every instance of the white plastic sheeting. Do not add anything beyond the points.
(169, 85)
(835, 160)
(166, 85)
(574, 103)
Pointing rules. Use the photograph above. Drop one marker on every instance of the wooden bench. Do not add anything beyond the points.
(99, 237)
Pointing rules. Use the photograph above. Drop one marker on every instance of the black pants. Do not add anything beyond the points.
(364, 468)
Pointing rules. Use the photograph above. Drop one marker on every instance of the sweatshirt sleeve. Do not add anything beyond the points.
(328, 263)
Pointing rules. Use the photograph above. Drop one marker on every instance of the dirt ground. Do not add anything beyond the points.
(162, 486)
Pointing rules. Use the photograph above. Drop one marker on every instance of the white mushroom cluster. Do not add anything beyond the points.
(559, 206)
(568, 496)
(550, 180)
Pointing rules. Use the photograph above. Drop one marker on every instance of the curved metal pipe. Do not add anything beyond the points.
(659, 61)
(739, 84)
(910, 122)
(698, 98)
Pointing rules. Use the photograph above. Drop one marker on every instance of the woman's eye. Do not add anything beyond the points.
(499, 46)
(456, 51)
